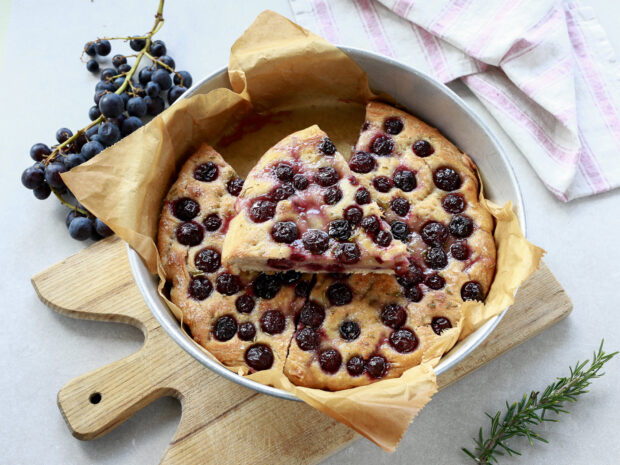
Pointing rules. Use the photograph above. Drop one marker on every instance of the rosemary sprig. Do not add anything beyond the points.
(533, 409)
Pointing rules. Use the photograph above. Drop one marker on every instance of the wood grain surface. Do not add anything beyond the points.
(222, 421)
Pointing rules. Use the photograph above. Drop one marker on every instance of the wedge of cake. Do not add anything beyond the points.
(302, 208)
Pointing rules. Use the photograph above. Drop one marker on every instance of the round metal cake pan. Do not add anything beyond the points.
(430, 101)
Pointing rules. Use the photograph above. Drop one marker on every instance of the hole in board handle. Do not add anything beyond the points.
(95, 398)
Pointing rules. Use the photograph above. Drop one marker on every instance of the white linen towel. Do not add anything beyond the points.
(543, 68)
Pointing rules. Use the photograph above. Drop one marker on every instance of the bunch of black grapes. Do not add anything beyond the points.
(126, 96)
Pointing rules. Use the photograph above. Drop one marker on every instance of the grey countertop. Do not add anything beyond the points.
(43, 86)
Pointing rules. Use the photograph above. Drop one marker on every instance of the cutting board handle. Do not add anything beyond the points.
(96, 402)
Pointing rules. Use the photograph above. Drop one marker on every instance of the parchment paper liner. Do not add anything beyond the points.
(277, 66)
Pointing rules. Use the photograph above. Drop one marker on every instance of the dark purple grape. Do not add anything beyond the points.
(262, 210)
(109, 133)
(472, 290)
(383, 238)
(339, 294)
(393, 125)
(434, 233)
(39, 151)
(404, 179)
(435, 281)
(183, 79)
(190, 234)
(234, 186)
(33, 177)
(353, 215)
(332, 195)
(207, 260)
(400, 206)
(137, 44)
(312, 314)
(154, 105)
(327, 146)
(212, 222)
(162, 78)
(422, 148)
(52, 174)
(454, 203)
(94, 113)
(300, 182)
(103, 47)
(72, 160)
(327, 176)
(436, 258)
(362, 196)
(377, 366)
(174, 93)
(356, 366)
(347, 253)
(158, 48)
(413, 293)
(403, 341)
(111, 105)
(284, 232)
(145, 75)
(382, 183)
(371, 224)
(90, 149)
(282, 192)
(283, 171)
(42, 192)
(245, 303)
(439, 324)
(447, 179)
(461, 226)
(272, 322)
(393, 315)
(92, 66)
(136, 106)
(315, 241)
(349, 330)
(118, 60)
(339, 229)
(200, 288)
(267, 286)
(400, 231)
(225, 328)
(330, 360)
(131, 124)
(307, 339)
(362, 162)
(81, 228)
(247, 331)
(382, 145)
(106, 75)
(152, 89)
(90, 49)
(206, 172)
(460, 250)
(259, 357)
(412, 277)
(227, 284)
(102, 229)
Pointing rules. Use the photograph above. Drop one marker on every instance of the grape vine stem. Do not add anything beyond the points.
(159, 22)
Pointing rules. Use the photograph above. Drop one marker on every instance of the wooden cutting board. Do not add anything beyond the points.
(220, 418)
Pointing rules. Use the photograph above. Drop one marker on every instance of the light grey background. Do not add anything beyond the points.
(43, 86)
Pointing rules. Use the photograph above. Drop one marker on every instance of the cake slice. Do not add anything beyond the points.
(302, 208)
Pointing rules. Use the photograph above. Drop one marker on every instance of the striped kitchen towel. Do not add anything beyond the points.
(543, 68)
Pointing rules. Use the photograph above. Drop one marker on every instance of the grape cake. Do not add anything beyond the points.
(337, 273)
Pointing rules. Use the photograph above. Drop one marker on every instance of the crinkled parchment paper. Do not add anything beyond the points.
(283, 79)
